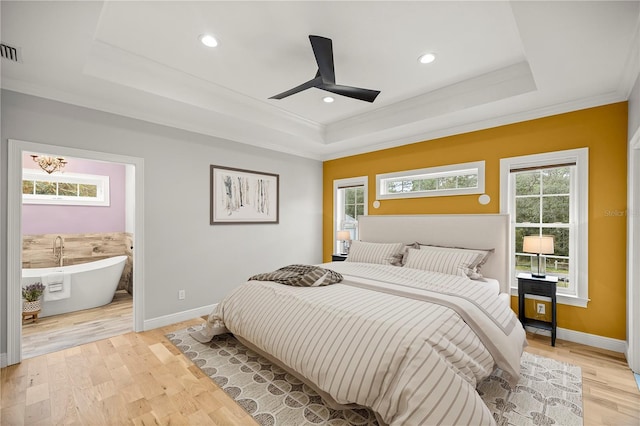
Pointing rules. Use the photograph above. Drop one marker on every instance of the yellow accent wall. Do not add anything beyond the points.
(602, 129)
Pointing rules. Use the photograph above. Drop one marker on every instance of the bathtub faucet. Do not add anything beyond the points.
(57, 249)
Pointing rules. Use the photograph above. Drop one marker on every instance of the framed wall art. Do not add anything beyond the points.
(241, 196)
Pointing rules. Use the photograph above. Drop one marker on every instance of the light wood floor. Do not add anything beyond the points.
(57, 332)
(610, 395)
(142, 379)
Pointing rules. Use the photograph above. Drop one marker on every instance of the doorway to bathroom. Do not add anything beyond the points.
(64, 228)
(74, 222)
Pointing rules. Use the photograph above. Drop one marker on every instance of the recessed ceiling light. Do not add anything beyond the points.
(328, 99)
(427, 58)
(208, 40)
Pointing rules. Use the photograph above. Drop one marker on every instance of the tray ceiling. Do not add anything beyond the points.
(496, 62)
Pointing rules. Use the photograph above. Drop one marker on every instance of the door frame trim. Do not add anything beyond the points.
(633, 251)
(14, 234)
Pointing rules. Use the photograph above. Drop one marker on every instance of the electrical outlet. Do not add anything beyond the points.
(181, 295)
(541, 308)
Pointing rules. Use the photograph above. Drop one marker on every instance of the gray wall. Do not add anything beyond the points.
(182, 251)
(634, 109)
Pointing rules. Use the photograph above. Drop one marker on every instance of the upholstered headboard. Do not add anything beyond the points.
(480, 231)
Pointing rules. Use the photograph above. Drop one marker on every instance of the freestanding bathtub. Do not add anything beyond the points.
(92, 284)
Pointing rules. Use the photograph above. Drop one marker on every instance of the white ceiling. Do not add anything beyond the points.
(497, 62)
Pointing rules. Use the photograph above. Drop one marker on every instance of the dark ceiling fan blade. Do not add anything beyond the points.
(304, 86)
(367, 95)
(323, 51)
(325, 78)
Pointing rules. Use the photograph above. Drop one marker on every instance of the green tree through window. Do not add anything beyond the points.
(542, 207)
(64, 189)
(353, 203)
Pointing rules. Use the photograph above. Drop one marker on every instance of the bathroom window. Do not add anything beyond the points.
(455, 179)
(65, 189)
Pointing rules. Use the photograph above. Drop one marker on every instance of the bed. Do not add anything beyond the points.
(408, 342)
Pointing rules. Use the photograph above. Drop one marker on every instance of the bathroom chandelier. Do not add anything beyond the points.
(49, 164)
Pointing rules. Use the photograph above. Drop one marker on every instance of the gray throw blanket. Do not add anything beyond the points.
(300, 276)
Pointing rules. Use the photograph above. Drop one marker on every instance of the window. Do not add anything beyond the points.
(456, 179)
(67, 188)
(546, 194)
(542, 207)
(350, 201)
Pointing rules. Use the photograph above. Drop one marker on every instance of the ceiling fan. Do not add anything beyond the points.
(325, 78)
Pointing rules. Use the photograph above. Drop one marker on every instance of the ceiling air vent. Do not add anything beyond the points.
(10, 53)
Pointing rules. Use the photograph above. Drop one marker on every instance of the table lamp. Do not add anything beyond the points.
(345, 237)
(538, 245)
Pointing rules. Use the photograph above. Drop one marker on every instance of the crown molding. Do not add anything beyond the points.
(179, 116)
(118, 66)
(404, 139)
(194, 119)
(493, 86)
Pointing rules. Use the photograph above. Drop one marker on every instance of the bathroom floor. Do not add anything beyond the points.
(57, 332)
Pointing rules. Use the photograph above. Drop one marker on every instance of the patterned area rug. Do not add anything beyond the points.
(549, 391)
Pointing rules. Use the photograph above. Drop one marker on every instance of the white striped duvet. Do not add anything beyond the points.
(378, 339)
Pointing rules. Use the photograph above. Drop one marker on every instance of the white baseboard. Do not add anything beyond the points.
(585, 339)
(152, 323)
(3, 360)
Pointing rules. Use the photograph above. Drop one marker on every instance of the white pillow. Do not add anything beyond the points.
(452, 262)
(381, 253)
(400, 258)
(472, 270)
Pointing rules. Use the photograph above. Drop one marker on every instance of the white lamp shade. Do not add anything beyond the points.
(344, 235)
(538, 244)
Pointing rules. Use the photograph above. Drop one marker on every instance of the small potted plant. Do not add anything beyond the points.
(31, 294)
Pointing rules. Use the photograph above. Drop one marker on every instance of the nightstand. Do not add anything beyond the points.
(338, 257)
(546, 287)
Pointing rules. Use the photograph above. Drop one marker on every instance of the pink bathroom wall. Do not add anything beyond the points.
(53, 219)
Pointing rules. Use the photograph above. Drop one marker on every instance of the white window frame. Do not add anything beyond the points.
(579, 238)
(432, 173)
(101, 182)
(345, 183)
